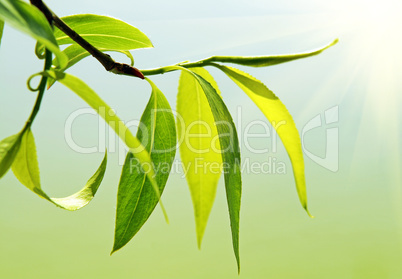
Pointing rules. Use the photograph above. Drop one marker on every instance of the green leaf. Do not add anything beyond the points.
(31, 21)
(281, 120)
(230, 150)
(75, 53)
(26, 169)
(103, 32)
(86, 194)
(1, 30)
(92, 99)
(136, 198)
(8, 150)
(200, 147)
(264, 61)
(25, 165)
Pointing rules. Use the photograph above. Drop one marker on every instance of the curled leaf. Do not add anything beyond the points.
(106, 112)
(26, 169)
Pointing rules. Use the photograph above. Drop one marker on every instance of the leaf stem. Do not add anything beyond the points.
(108, 63)
(162, 70)
(41, 89)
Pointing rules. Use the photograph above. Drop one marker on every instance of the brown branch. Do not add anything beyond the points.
(105, 59)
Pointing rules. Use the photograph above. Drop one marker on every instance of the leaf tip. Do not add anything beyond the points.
(199, 241)
(164, 213)
(115, 248)
(334, 42)
(308, 212)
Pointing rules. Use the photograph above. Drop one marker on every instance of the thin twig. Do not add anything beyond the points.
(105, 59)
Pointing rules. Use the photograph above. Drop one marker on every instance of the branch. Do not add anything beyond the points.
(105, 59)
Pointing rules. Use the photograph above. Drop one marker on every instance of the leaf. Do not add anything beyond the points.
(31, 21)
(264, 61)
(8, 150)
(136, 198)
(200, 145)
(92, 99)
(281, 120)
(1, 30)
(86, 194)
(75, 53)
(26, 169)
(103, 32)
(229, 145)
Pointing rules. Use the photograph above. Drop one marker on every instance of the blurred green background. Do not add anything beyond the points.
(357, 231)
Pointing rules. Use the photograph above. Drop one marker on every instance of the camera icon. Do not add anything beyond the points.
(330, 160)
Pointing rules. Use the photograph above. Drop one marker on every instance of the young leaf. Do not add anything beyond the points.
(8, 150)
(92, 99)
(281, 120)
(26, 169)
(30, 20)
(200, 145)
(103, 32)
(136, 198)
(264, 61)
(1, 30)
(76, 53)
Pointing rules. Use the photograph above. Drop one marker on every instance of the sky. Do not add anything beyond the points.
(352, 156)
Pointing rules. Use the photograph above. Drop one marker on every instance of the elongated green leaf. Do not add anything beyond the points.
(280, 119)
(92, 99)
(26, 169)
(1, 30)
(230, 150)
(264, 61)
(136, 198)
(104, 32)
(30, 20)
(230, 156)
(200, 147)
(8, 150)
